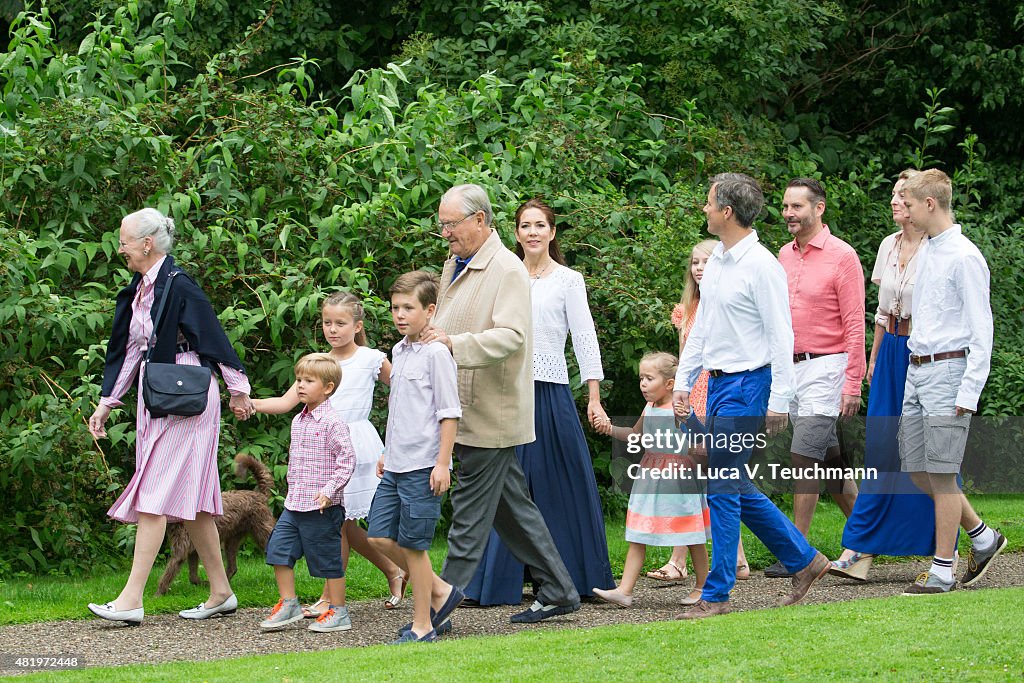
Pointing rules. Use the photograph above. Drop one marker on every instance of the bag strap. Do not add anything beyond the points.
(160, 312)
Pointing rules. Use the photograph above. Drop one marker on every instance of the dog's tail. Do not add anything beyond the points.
(246, 464)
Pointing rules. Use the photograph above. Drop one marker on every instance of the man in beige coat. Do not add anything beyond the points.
(483, 316)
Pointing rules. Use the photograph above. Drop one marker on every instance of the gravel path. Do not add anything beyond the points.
(165, 638)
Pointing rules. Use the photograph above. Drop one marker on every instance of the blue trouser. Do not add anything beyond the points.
(737, 404)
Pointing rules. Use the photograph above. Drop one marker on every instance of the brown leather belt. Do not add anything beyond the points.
(897, 326)
(921, 360)
(797, 357)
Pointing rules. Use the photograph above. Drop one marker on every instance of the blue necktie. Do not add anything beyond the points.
(460, 265)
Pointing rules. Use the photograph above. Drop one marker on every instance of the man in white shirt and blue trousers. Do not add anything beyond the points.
(743, 336)
(950, 352)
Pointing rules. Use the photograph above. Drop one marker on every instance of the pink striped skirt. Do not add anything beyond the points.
(176, 472)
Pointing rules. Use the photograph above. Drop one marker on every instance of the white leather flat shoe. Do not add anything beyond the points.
(225, 608)
(130, 616)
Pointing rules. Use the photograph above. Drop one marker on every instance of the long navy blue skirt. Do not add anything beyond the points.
(891, 516)
(560, 477)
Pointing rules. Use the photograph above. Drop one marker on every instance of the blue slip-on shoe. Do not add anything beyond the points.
(410, 637)
(538, 611)
(455, 598)
(440, 629)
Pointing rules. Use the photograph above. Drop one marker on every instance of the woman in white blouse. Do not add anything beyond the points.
(891, 515)
(558, 468)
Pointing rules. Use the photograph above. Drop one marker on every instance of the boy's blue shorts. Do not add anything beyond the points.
(405, 510)
(312, 535)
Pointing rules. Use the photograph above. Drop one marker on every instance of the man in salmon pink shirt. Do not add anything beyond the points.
(826, 299)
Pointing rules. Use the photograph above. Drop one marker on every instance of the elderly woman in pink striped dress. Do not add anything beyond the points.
(176, 477)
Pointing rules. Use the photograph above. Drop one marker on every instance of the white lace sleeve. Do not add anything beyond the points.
(581, 326)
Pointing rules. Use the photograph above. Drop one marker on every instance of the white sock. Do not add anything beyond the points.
(942, 568)
(984, 540)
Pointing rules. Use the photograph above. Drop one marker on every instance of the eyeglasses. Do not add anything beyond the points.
(451, 225)
(124, 244)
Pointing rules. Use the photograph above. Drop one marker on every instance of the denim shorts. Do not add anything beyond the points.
(932, 436)
(312, 535)
(405, 510)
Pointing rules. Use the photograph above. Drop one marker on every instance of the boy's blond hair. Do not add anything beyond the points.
(419, 283)
(931, 183)
(321, 366)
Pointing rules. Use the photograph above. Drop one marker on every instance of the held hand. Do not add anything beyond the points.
(596, 415)
(775, 423)
(849, 406)
(605, 428)
(380, 468)
(960, 412)
(440, 479)
(97, 420)
(681, 404)
(241, 405)
(324, 502)
(871, 372)
(435, 334)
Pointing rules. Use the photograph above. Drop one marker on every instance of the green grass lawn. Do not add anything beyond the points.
(60, 597)
(966, 635)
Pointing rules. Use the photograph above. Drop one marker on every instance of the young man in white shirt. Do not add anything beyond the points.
(743, 336)
(950, 351)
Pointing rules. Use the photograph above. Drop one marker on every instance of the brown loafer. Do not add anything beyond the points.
(805, 578)
(703, 608)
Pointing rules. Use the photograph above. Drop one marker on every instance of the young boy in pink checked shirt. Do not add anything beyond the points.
(320, 462)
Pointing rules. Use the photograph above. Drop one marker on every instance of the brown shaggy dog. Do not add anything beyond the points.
(245, 512)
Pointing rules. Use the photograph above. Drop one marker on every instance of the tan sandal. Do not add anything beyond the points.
(742, 572)
(670, 572)
(314, 611)
(394, 599)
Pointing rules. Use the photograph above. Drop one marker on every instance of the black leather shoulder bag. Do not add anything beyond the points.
(169, 388)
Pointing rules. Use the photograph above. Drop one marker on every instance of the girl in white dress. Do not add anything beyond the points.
(361, 369)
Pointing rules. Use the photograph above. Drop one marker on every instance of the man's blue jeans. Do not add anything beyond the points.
(737, 404)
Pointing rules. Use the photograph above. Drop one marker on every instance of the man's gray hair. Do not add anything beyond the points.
(742, 193)
(152, 223)
(473, 198)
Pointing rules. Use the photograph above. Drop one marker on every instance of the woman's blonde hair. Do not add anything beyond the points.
(355, 308)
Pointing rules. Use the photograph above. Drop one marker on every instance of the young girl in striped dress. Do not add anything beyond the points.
(669, 511)
(361, 369)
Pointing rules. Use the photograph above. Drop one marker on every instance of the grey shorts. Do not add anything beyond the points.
(815, 408)
(813, 435)
(932, 436)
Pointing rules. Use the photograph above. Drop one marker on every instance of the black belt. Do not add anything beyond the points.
(723, 373)
(798, 357)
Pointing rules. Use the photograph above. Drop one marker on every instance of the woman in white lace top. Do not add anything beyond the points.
(558, 468)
